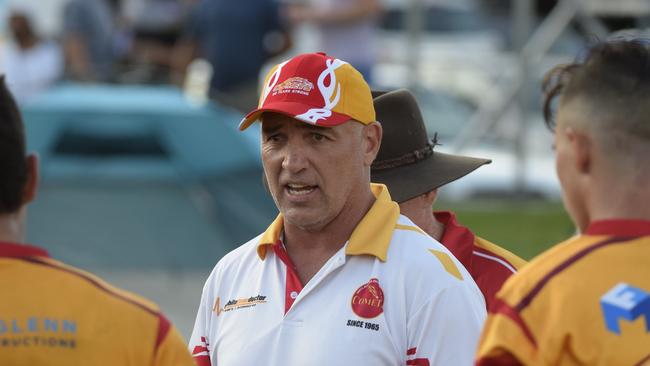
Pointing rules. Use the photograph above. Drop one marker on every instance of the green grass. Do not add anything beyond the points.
(526, 228)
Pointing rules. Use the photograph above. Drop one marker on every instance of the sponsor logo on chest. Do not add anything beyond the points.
(367, 302)
(236, 304)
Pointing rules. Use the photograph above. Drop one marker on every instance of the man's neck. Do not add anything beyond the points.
(11, 229)
(424, 218)
(619, 203)
(311, 249)
(435, 228)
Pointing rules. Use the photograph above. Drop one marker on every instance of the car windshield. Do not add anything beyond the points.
(146, 189)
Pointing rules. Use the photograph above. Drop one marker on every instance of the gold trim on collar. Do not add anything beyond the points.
(371, 236)
(270, 236)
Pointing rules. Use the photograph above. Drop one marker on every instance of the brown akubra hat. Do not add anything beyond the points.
(406, 162)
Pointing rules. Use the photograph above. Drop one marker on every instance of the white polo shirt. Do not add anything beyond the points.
(391, 296)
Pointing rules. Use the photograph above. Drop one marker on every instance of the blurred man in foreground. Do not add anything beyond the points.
(54, 314)
(408, 165)
(587, 300)
(339, 278)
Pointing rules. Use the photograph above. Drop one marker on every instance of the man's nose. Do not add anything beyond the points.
(295, 159)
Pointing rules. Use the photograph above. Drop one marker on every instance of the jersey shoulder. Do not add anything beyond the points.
(550, 265)
(241, 259)
(486, 247)
(414, 249)
(80, 284)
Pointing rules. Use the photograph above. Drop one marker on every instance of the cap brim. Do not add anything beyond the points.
(292, 110)
(410, 181)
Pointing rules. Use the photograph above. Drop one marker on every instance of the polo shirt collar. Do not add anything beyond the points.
(372, 235)
(457, 238)
(619, 227)
(13, 250)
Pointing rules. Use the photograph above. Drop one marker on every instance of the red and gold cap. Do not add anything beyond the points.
(317, 89)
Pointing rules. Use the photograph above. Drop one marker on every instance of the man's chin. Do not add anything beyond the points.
(304, 219)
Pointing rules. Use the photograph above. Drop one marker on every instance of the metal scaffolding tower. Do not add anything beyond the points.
(532, 46)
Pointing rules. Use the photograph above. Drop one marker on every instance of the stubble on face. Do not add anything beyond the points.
(312, 172)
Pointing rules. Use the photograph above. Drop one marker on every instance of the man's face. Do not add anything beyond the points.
(20, 27)
(313, 172)
(566, 165)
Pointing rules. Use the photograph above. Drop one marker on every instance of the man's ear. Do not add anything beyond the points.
(31, 185)
(372, 134)
(580, 144)
(431, 196)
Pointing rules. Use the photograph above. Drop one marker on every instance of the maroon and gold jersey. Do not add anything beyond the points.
(584, 302)
(54, 314)
(489, 264)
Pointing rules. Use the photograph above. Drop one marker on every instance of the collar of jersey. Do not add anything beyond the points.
(15, 250)
(457, 238)
(371, 236)
(619, 227)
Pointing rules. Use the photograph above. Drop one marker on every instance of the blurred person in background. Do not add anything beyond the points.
(154, 30)
(587, 300)
(55, 314)
(236, 38)
(88, 39)
(31, 63)
(408, 165)
(346, 28)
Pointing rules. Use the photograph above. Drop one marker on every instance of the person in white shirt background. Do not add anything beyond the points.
(31, 64)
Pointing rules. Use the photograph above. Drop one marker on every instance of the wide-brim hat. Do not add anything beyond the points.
(407, 163)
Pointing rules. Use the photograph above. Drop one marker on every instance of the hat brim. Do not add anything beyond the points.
(409, 181)
(293, 110)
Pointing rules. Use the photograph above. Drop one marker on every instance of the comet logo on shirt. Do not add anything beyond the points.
(368, 301)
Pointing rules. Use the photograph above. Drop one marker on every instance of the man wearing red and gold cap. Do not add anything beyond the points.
(340, 277)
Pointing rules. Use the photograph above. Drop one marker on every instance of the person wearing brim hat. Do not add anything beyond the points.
(408, 165)
(340, 277)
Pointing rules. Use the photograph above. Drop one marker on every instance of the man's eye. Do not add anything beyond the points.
(318, 137)
(273, 138)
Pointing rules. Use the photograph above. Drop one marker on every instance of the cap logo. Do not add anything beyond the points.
(368, 300)
(296, 85)
(331, 93)
(273, 79)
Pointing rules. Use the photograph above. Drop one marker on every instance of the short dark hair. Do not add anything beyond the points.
(13, 163)
(614, 78)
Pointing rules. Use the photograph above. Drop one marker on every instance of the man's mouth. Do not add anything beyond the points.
(300, 189)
